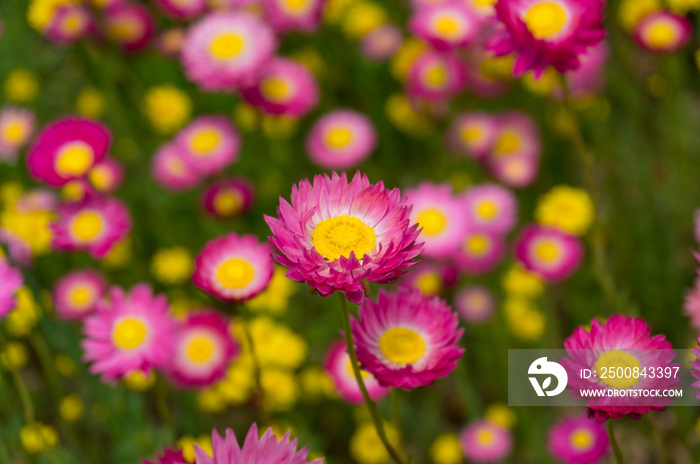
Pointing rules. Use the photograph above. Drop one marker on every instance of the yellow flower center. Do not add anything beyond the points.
(545, 19)
(295, 5)
(235, 273)
(342, 235)
(363, 372)
(14, 132)
(125, 30)
(508, 142)
(436, 75)
(74, 160)
(485, 437)
(81, 296)
(73, 24)
(402, 346)
(433, 221)
(228, 202)
(87, 225)
(661, 35)
(471, 133)
(485, 2)
(429, 283)
(200, 349)
(477, 244)
(129, 333)
(338, 137)
(581, 439)
(205, 141)
(547, 251)
(611, 361)
(175, 165)
(275, 89)
(100, 177)
(226, 46)
(447, 26)
(486, 209)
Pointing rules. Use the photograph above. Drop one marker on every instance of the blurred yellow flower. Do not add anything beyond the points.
(90, 103)
(120, 254)
(316, 383)
(172, 265)
(13, 356)
(518, 281)
(409, 52)
(683, 6)
(65, 365)
(74, 190)
(40, 12)
(275, 298)
(430, 283)
(278, 126)
(524, 320)
(310, 58)
(366, 446)
(10, 193)
(446, 449)
(238, 385)
(404, 117)
(31, 226)
(21, 320)
(334, 10)
(38, 437)
(568, 208)
(246, 116)
(543, 86)
(71, 408)
(501, 414)
(631, 12)
(167, 107)
(138, 381)
(211, 400)
(21, 86)
(361, 17)
(279, 389)
(498, 67)
(274, 343)
(186, 445)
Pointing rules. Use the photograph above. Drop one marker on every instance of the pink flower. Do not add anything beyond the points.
(589, 78)
(491, 207)
(106, 176)
(94, 224)
(549, 252)
(484, 441)
(545, 33)
(473, 134)
(445, 26)
(430, 278)
(481, 251)
(622, 341)
(10, 281)
(382, 42)
(234, 267)
(406, 340)
(169, 457)
(336, 233)
(171, 168)
(339, 368)
(268, 448)
(285, 87)
(475, 304)
(691, 305)
(209, 144)
(226, 51)
(578, 440)
(16, 128)
(130, 25)
(293, 15)
(663, 32)
(341, 139)
(228, 198)
(129, 332)
(203, 349)
(66, 149)
(435, 76)
(76, 295)
(182, 9)
(69, 23)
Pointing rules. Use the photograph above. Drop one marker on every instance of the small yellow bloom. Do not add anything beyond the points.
(446, 449)
(498, 67)
(367, 448)
(280, 390)
(211, 400)
(21, 320)
(275, 298)
(683, 6)
(310, 58)
(21, 86)
(41, 12)
(10, 193)
(274, 343)
(404, 58)
(334, 10)
(167, 107)
(31, 226)
(119, 256)
(172, 265)
(186, 445)
(71, 408)
(316, 383)
(65, 365)
(238, 385)
(633, 11)
(518, 281)
(501, 414)
(545, 85)
(524, 320)
(14, 356)
(246, 116)
(568, 208)
(138, 381)
(90, 103)
(405, 118)
(38, 437)
(362, 17)
(278, 126)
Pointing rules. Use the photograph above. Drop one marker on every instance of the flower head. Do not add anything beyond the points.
(549, 252)
(475, 304)
(491, 207)
(16, 128)
(128, 332)
(228, 198)
(169, 457)
(484, 441)
(171, 168)
(336, 232)
(167, 107)
(480, 252)
(382, 42)
(473, 134)
(69, 23)
(130, 25)
(435, 76)
(182, 9)
(406, 340)
(341, 139)
(578, 440)
(339, 368)
(67, 149)
(293, 15)
(445, 25)
(76, 295)
(234, 267)
(209, 144)
(663, 32)
(10, 282)
(568, 208)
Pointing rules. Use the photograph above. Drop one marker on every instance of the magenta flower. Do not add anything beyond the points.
(339, 368)
(209, 144)
(435, 76)
(130, 25)
(484, 441)
(106, 176)
(578, 440)
(270, 448)
(475, 304)
(10, 281)
(293, 15)
(336, 233)
(663, 32)
(182, 9)
(69, 23)
(228, 198)
(341, 139)
(473, 134)
(76, 295)
(481, 251)
(445, 25)
(406, 340)
(491, 207)
(169, 457)
(548, 251)
(16, 128)
(171, 168)
(545, 33)
(381, 43)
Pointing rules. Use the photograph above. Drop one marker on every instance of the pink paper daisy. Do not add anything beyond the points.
(10, 281)
(69, 23)
(336, 233)
(130, 25)
(546, 33)
(341, 139)
(172, 170)
(481, 251)
(106, 176)
(94, 224)
(129, 332)
(381, 43)
(203, 349)
(435, 76)
(491, 207)
(293, 15)
(473, 134)
(76, 295)
(622, 341)
(578, 440)
(228, 198)
(285, 87)
(225, 51)
(66, 149)
(475, 304)
(663, 32)
(484, 441)
(18, 248)
(339, 368)
(549, 252)
(16, 128)
(234, 267)
(406, 340)
(445, 26)
(516, 171)
(441, 216)
(209, 144)
(182, 9)
(430, 278)
(169, 457)
(268, 448)
(691, 305)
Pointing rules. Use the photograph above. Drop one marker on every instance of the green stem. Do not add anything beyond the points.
(162, 401)
(371, 405)
(257, 371)
(24, 397)
(396, 418)
(613, 442)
